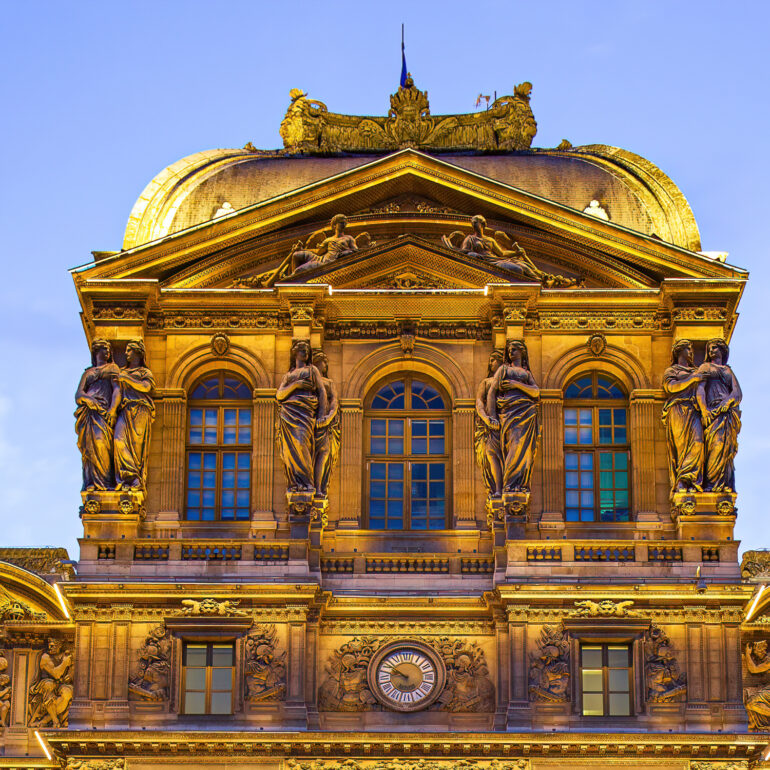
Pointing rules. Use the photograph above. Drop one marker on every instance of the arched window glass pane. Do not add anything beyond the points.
(606, 388)
(581, 388)
(425, 397)
(235, 389)
(391, 396)
(206, 389)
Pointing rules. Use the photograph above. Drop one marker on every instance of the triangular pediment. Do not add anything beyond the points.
(420, 197)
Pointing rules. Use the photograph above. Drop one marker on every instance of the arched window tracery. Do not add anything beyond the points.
(596, 450)
(218, 449)
(407, 455)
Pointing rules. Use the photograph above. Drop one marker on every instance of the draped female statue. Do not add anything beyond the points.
(135, 415)
(719, 397)
(682, 418)
(486, 437)
(512, 401)
(327, 429)
(301, 399)
(97, 402)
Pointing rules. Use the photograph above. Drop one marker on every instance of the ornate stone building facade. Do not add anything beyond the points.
(406, 446)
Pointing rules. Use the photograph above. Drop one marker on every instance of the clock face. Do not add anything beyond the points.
(407, 679)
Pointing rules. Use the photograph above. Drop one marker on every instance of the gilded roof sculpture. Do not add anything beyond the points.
(508, 124)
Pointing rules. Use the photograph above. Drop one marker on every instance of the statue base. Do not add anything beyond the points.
(113, 515)
(704, 515)
(507, 516)
(299, 506)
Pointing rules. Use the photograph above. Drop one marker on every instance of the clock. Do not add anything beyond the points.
(406, 676)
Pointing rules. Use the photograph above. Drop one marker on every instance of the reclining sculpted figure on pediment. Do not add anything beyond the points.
(502, 252)
(321, 248)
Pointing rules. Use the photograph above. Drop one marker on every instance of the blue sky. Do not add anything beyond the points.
(98, 97)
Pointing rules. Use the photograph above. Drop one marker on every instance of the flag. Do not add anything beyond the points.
(403, 59)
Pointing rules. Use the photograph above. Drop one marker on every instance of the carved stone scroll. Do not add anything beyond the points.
(212, 607)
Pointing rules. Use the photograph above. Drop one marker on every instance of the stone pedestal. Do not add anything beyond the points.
(112, 515)
(704, 515)
(507, 516)
(299, 506)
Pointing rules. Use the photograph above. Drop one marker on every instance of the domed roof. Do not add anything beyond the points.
(629, 190)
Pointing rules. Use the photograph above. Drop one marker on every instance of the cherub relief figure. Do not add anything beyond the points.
(97, 401)
(512, 402)
(50, 696)
(757, 699)
(500, 251)
(486, 437)
(468, 686)
(719, 398)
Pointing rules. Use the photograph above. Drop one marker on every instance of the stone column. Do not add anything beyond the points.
(263, 459)
(351, 463)
(644, 413)
(552, 448)
(311, 669)
(173, 409)
(518, 707)
(463, 465)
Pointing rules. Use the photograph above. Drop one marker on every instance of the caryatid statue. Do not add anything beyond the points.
(302, 402)
(512, 401)
(97, 399)
(486, 437)
(719, 397)
(327, 429)
(682, 418)
(136, 411)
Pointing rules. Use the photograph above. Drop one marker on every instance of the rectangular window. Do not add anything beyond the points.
(208, 673)
(613, 486)
(605, 679)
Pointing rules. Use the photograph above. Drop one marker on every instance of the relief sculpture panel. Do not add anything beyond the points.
(359, 667)
(151, 680)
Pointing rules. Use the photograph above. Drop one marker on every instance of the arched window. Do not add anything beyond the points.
(596, 449)
(219, 450)
(407, 456)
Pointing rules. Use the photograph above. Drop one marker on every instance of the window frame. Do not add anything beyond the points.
(219, 448)
(595, 448)
(208, 690)
(408, 413)
(606, 691)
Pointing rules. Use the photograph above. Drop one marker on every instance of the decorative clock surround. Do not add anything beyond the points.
(406, 675)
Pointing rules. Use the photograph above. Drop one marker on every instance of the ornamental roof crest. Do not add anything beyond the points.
(508, 124)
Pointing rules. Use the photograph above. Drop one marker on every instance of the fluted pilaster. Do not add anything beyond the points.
(173, 409)
(552, 448)
(351, 462)
(644, 413)
(463, 472)
(263, 451)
